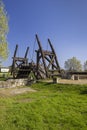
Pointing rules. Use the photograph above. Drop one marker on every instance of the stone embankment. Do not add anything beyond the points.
(11, 83)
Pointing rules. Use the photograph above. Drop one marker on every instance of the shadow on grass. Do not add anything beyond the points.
(50, 83)
(84, 92)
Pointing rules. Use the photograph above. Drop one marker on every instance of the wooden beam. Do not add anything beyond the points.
(42, 54)
(54, 54)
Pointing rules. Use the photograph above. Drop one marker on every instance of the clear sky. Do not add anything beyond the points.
(63, 21)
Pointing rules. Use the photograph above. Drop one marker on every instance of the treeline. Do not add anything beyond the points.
(73, 64)
(3, 32)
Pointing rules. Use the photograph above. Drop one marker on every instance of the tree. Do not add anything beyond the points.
(85, 65)
(3, 32)
(73, 64)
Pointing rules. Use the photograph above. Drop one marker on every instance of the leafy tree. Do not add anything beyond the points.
(85, 65)
(73, 64)
(3, 32)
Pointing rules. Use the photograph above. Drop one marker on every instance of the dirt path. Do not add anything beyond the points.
(5, 92)
(65, 81)
(68, 81)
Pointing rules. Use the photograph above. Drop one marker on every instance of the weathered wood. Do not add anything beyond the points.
(46, 63)
(56, 60)
(49, 59)
(26, 53)
(17, 65)
(13, 63)
(42, 55)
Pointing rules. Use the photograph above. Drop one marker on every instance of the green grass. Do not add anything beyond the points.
(52, 107)
(4, 76)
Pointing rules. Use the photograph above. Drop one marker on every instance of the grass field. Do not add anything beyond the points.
(51, 107)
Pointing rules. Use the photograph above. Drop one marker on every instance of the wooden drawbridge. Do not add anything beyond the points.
(45, 66)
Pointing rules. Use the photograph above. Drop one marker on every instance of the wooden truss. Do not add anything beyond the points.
(50, 65)
(18, 63)
(46, 65)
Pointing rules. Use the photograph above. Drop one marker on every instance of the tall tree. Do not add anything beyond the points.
(73, 64)
(3, 32)
(85, 65)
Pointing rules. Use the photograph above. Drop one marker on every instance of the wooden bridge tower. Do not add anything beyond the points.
(50, 66)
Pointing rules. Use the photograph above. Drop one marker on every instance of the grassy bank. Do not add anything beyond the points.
(52, 107)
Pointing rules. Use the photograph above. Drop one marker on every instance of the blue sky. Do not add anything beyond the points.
(63, 21)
